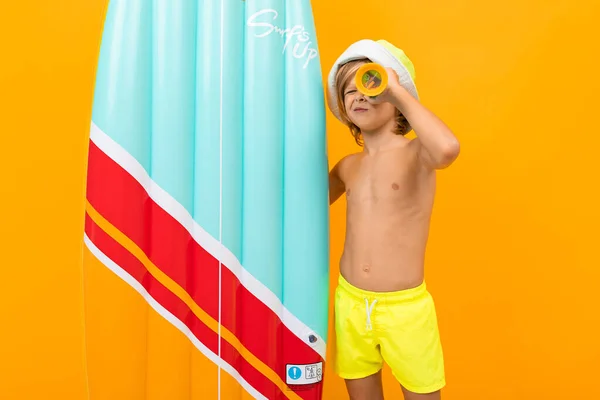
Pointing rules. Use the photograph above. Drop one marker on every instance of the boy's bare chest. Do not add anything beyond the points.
(381, 178)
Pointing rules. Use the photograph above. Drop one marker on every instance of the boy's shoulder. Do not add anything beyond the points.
(349, 159)
(346, 163)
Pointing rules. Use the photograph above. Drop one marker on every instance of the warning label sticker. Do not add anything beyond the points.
(304, 374)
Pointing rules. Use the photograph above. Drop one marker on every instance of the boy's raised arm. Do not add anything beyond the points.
(438, 145)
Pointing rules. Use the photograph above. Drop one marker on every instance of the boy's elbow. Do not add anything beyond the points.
(448, 154)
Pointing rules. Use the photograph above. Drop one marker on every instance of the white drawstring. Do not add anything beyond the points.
(369, 311)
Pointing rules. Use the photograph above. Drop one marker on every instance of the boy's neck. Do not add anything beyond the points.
(377, 141)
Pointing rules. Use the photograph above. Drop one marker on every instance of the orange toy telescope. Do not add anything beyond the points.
(371, 79)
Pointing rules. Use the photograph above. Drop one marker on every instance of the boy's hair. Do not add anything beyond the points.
(345, 73)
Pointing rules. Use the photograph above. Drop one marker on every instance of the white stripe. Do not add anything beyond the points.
(204, 239)
(121, 273)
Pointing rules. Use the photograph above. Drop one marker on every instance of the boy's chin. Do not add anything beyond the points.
(365, 123)
(368, 127)
(372, 124)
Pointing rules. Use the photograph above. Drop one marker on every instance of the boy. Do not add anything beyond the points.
(383, 311)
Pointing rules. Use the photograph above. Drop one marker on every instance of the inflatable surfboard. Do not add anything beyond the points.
(206, 258)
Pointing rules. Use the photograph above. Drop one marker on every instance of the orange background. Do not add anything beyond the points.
(513, 261)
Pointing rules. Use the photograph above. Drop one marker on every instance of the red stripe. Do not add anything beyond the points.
(128, 262)
(124, 202)
(116, 195)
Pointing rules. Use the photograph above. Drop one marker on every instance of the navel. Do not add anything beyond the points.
(366, 267)
(395, 186)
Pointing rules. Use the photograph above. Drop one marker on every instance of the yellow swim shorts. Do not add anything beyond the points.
(399, 328)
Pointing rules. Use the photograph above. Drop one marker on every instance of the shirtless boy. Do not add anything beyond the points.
(383, 310)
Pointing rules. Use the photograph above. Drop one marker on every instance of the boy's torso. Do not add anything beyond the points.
(389, 201)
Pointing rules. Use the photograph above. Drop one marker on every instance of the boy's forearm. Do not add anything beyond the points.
(434, 135)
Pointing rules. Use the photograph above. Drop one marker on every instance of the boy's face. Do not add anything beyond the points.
(365, 115)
